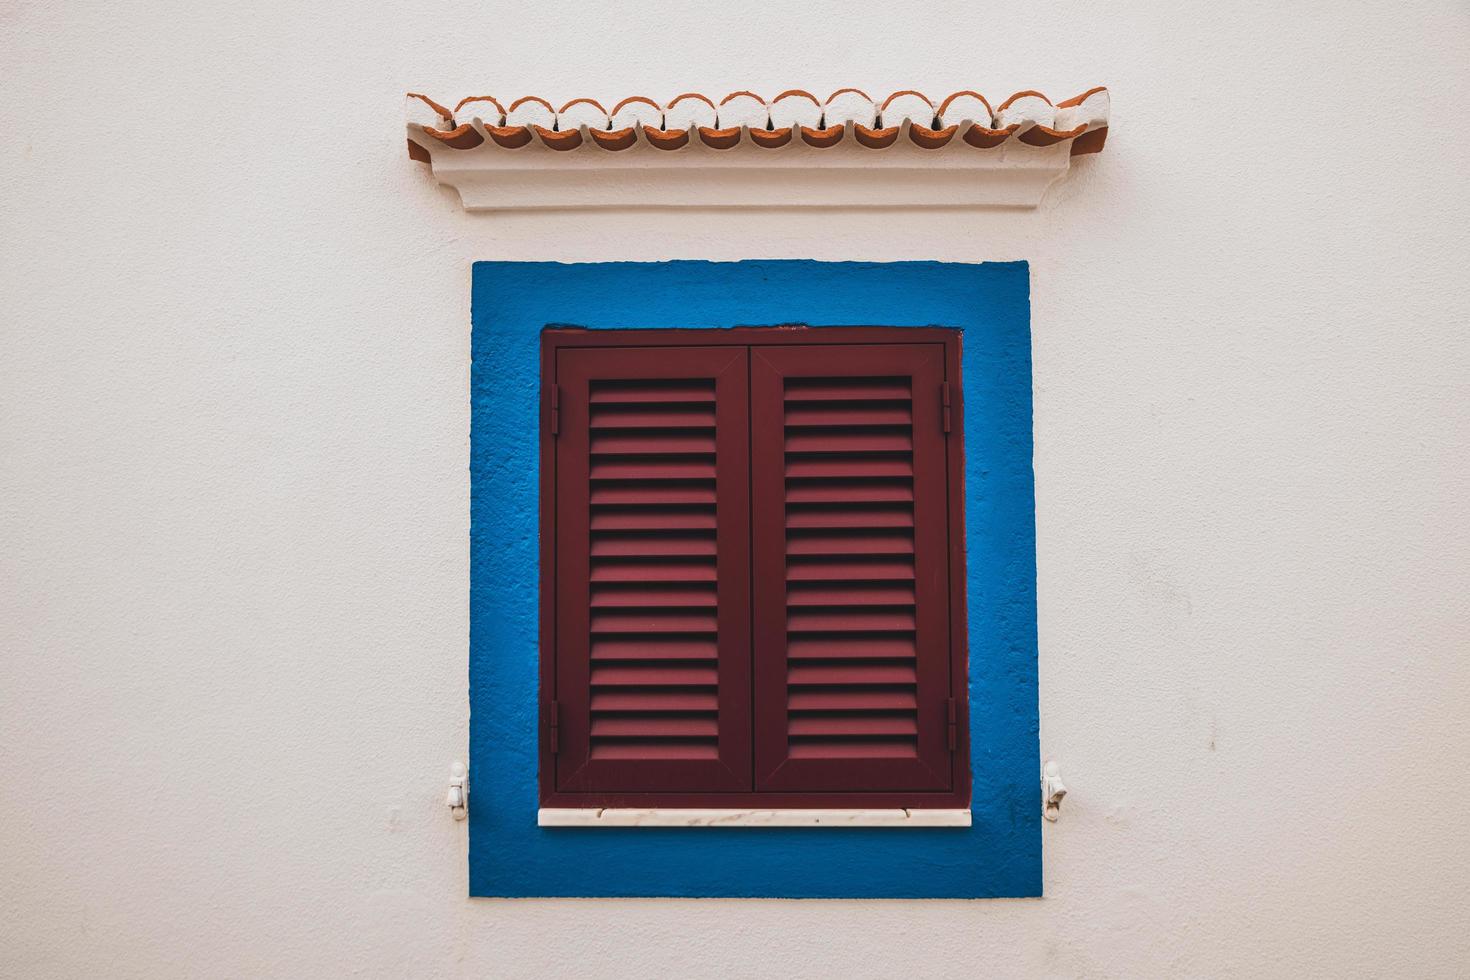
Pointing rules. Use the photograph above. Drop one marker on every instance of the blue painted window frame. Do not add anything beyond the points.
(999, 855)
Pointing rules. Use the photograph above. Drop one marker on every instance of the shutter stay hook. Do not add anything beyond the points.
(458, 798)
(1052, 790)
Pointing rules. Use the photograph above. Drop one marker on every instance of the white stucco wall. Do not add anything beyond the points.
(234, 486)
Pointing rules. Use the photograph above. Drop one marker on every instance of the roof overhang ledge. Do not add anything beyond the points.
(745, 152)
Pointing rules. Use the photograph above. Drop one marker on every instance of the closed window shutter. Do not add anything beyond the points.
(850, 554)
(652, 526)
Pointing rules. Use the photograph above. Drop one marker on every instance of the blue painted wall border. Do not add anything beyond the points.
(1000, 854)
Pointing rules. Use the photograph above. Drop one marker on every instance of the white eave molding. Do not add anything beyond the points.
(535, 177)
(670, 817)
(525, 161)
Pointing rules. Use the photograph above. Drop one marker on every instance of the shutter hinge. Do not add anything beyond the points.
(949, 707)
(944, 404)
(553, 726)
(553, 408)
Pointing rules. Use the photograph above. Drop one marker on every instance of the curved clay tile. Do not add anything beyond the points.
(1092, 104)
(1020, 111)
(719, 139)
(931, 139)
(915, 109)
(1091, 141)
(743, 109)
(530, 114)
(614, 139)
(690, 111)
(1036, 117)
(482, 108)
(849, 105)
(910, 105)
(938, 131)
(567, 139)
(1025, 109)
(736, 110)
(666, 139)
(822, 138)
(531, 111)
(791, 110)
(770, 138)
(985, 139)
(1090, 109)
(438, 122)
(973, 106)
(424, 111)
(875, 139)
(961, 106)
(1046, 135)
(844, 106)
(581, 112)
(637, 111)
(795, 108)
(461, 137)
(510, 137)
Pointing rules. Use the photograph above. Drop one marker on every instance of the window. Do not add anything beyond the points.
(985, 310)
(752, 552)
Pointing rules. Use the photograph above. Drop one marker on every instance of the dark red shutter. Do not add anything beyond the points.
(851, 568)
(652, 525)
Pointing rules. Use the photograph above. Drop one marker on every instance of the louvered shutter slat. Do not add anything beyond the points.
(850, 559)
(868, 471)
(652, 571)
(672, 570)
(655, 648)
(837, 593)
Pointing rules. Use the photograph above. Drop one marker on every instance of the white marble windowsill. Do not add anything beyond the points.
(661, 817)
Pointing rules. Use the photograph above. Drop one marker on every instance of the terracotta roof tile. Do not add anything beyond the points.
(690, 110)
(744, 109)
(637, 110)
(582, 112)
(849, 105)
(1027, 116)
(795, 108)
(480, 108)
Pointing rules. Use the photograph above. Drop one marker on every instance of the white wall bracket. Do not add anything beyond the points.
(458, 797)
(1052, 790)
(536, 177)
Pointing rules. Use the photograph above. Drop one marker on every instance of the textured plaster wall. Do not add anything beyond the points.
(234, 493)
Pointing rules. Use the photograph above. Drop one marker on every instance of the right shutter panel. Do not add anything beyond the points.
(652, 571)
(850, 567)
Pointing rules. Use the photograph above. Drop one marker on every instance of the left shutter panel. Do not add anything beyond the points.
(652, 618)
